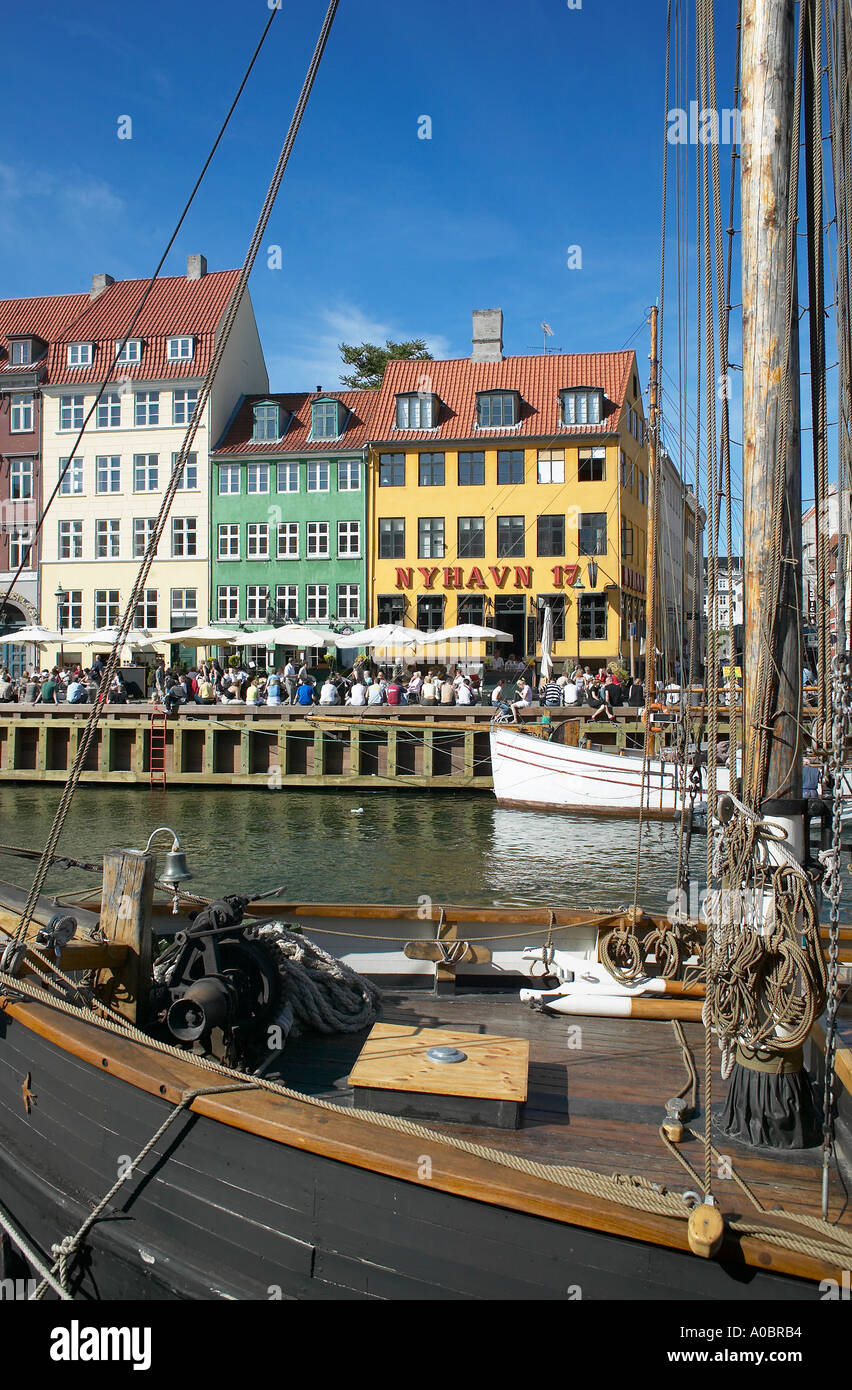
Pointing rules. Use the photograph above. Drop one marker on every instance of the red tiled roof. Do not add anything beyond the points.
(176, 307)
(44, 317)
(356, 432)
(537, 379)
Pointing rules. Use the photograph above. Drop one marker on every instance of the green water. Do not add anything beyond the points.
(357, 846)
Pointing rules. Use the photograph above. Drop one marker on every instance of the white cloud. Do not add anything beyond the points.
(310, 357)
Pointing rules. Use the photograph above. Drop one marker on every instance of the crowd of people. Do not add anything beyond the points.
(74, 685)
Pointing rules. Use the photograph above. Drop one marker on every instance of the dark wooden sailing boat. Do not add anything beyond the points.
(160, 1139)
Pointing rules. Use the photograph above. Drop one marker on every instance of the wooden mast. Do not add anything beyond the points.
(651, 575)
(768, 67)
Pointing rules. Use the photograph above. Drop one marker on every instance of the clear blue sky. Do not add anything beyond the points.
(547, 127)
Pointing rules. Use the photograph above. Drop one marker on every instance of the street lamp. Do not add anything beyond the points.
(60, 597)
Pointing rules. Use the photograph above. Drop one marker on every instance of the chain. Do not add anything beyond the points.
(840, 701)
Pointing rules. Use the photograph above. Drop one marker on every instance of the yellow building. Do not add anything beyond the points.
(501, 485)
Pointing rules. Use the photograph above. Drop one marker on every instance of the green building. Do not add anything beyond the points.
(288, 512)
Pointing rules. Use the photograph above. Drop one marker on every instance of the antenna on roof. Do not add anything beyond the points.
(548, 333)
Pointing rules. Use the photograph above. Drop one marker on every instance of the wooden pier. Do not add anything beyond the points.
(434, 748)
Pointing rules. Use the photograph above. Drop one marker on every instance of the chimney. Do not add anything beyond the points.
(196, 267)
(487, 335)
(99, 284)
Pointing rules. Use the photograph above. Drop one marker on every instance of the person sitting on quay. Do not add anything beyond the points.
(551, 692)
(429, 690)
(376, 690)
(415, 686)
(175, 695)
(305, 690)
(76, 692)
(206, 693)
(464, 693)
(7, 691)
(118, 690)
(570, 692)
(290, 682)
(273, 689)
(357, 693)
(253, 695)
(395, 693)
(47, 695)
(329, 693)
(497, 692)
(611, 699)
(524, 698)
(475, 687)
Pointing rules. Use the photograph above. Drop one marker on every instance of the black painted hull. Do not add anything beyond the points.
(221, 1213)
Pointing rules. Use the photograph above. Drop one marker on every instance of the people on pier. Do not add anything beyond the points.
(523, 698)
(329, 694)
(429, 690)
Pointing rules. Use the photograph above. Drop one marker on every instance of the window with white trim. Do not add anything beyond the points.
(71, 412)
(551, 465)
(189, 477)
(257, 541)
(288, 540)
(318, 476)
(70, 540)
(131, 352)
(325, 417)
(288, 477)
(265, 421)
(147, 408)
(79, 354)
(229, 479)
(349, 538)
(107, 539)
(416, 411)
(257, 602)
(21, 415)
(184, 537)
(184, 608)
(21, 352)
(229, 541)
(145, 613)
(287, 601)
(430, 538)
(143, 530)
(316, 601)
(228, 603)
(348, 475)
(183, 405)
(71, 610)
(179, 349)
(349, 602)
(146, 472)
(106, 607)
(257, 478)
(19, 548)
(20, 480)
(71, 485)
(317, 539)
(496, 409)
(591, 465)
(109, 411)
(581, 407)
(108, 473)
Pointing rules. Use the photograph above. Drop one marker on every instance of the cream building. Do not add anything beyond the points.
(110, 492)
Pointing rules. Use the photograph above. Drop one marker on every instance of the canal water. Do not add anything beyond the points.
(342, 846)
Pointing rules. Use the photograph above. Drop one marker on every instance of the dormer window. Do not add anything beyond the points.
(497, 409)
(179, 349)
(325, 421)
(416, 410)
(21, 352)
(266, 421)
(79, 354)
(583, 406)
(131, 352)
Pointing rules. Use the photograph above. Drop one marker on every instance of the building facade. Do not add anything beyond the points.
(27, 326)
(503, 485)
(289, 530)
(111, 487)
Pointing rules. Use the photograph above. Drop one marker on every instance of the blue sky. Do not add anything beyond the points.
(547, 127)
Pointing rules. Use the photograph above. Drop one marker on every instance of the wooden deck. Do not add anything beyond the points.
(597, 1093)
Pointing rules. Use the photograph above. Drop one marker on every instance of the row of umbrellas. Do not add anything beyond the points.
(290, 635)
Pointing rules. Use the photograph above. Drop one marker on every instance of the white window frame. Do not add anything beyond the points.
(229, 532)
(346, 470)
(72, 484)
(110, 601)
(257, 597)
(288, 532)
(131, 352)
(20, 410)
(107, 538)
(257, 540)
(73, 610)
(145, 614)
(143, 529)
(290, 473)
(21, 480)
(109, 411)
(184, 537)
(19, 540)
(183, 408)
(107, 469)
(189, 477)
(256, 474)
(228, 603)
(345, 536)
(79, 354)
(182, 609)
(148, 471)
(70, 533)
(315, 467)
(146, 409)
(546, 466)
(231, 472)
(349, 602)
(71, 411)
(180, 349)
(316, 602)
(287, 600)
(317, 531)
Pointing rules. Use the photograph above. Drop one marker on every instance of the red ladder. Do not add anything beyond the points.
(157, 773)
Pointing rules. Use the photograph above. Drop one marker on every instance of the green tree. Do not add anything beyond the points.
(370, 361)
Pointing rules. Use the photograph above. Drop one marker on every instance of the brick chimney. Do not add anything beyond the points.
(487, 335)
(196, 267)
(99, 284)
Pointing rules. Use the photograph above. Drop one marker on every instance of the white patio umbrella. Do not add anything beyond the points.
(467, 632)
(297, 635)
(385, 635)
(203, 636)
(547, 643)
(107, 636)
(31, 636)
(262, 638)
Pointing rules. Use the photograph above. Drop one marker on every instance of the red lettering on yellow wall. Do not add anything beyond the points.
(571, 572)
(453, 577)
(523, 576)
(429, 575)
(404, 578)
(475, 579)
(557, 576)
(499, 573)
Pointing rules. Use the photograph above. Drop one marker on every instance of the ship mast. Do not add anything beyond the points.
(772, 527)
